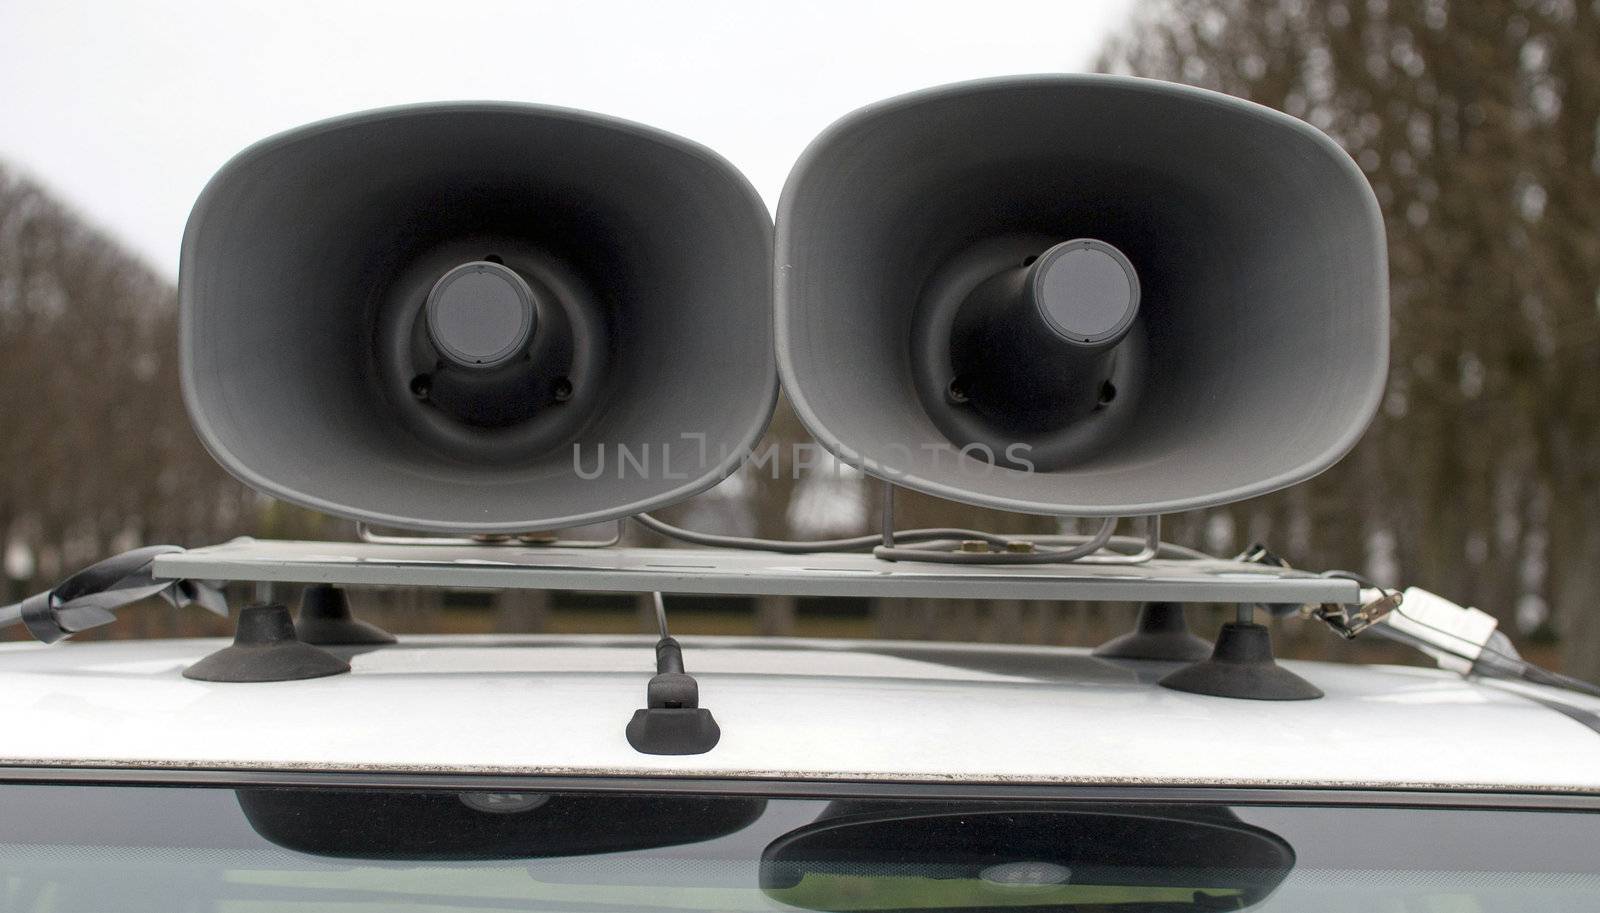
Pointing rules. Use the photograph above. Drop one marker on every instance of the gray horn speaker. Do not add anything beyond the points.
(478, 317)
(1081, 295)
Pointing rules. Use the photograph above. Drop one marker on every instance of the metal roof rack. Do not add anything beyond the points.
(267, 646)
(745, 572)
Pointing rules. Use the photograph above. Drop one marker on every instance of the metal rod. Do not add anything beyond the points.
(941, 553)
(888, 515)
(1152, 547)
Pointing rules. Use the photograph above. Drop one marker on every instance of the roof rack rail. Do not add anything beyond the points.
(732, 571)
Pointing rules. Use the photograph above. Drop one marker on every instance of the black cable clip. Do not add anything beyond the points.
(672, 722)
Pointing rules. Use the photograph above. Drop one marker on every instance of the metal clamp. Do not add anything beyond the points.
(1347, 623)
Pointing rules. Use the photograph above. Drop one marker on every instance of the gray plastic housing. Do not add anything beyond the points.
(1260, 350)
(309, 257)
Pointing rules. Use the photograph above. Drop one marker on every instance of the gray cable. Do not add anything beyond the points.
(1490, 661)
(804, 547)
(928, 553)
(891, 550)
(661, 613)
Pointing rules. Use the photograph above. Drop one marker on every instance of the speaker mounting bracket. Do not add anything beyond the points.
(366, 534)
(1099, 547)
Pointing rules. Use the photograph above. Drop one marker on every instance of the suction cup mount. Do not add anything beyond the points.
(325, 619)
(265, 649)
(1242, 666)
(1160, 634)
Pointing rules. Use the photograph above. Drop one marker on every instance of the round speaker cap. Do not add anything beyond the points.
(480, 314)
(1086, 291)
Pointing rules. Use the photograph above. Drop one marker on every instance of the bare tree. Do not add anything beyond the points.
(1476, 123)
(96, 451)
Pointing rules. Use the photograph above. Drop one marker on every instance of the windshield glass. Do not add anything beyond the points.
(116, 848)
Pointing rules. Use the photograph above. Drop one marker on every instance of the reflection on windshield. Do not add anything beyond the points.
(121, 849)
(367, 824)
(865, 857)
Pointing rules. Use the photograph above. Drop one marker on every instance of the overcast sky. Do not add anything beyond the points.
(126, 108)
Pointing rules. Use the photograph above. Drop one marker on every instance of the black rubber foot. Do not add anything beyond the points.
(1161, 634)
(325, 619)
(265, 649)
(664, 730)
(1242, 666)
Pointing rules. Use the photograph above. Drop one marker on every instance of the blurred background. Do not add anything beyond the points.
(1478, 124)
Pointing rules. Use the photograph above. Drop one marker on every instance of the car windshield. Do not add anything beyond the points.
(121, 848)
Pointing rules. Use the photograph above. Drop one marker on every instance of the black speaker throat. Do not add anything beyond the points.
(1027, 349)
(495, 357)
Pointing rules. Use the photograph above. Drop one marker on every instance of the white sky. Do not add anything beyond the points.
(126, 108)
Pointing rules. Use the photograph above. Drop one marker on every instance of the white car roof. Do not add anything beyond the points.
(792, 709)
